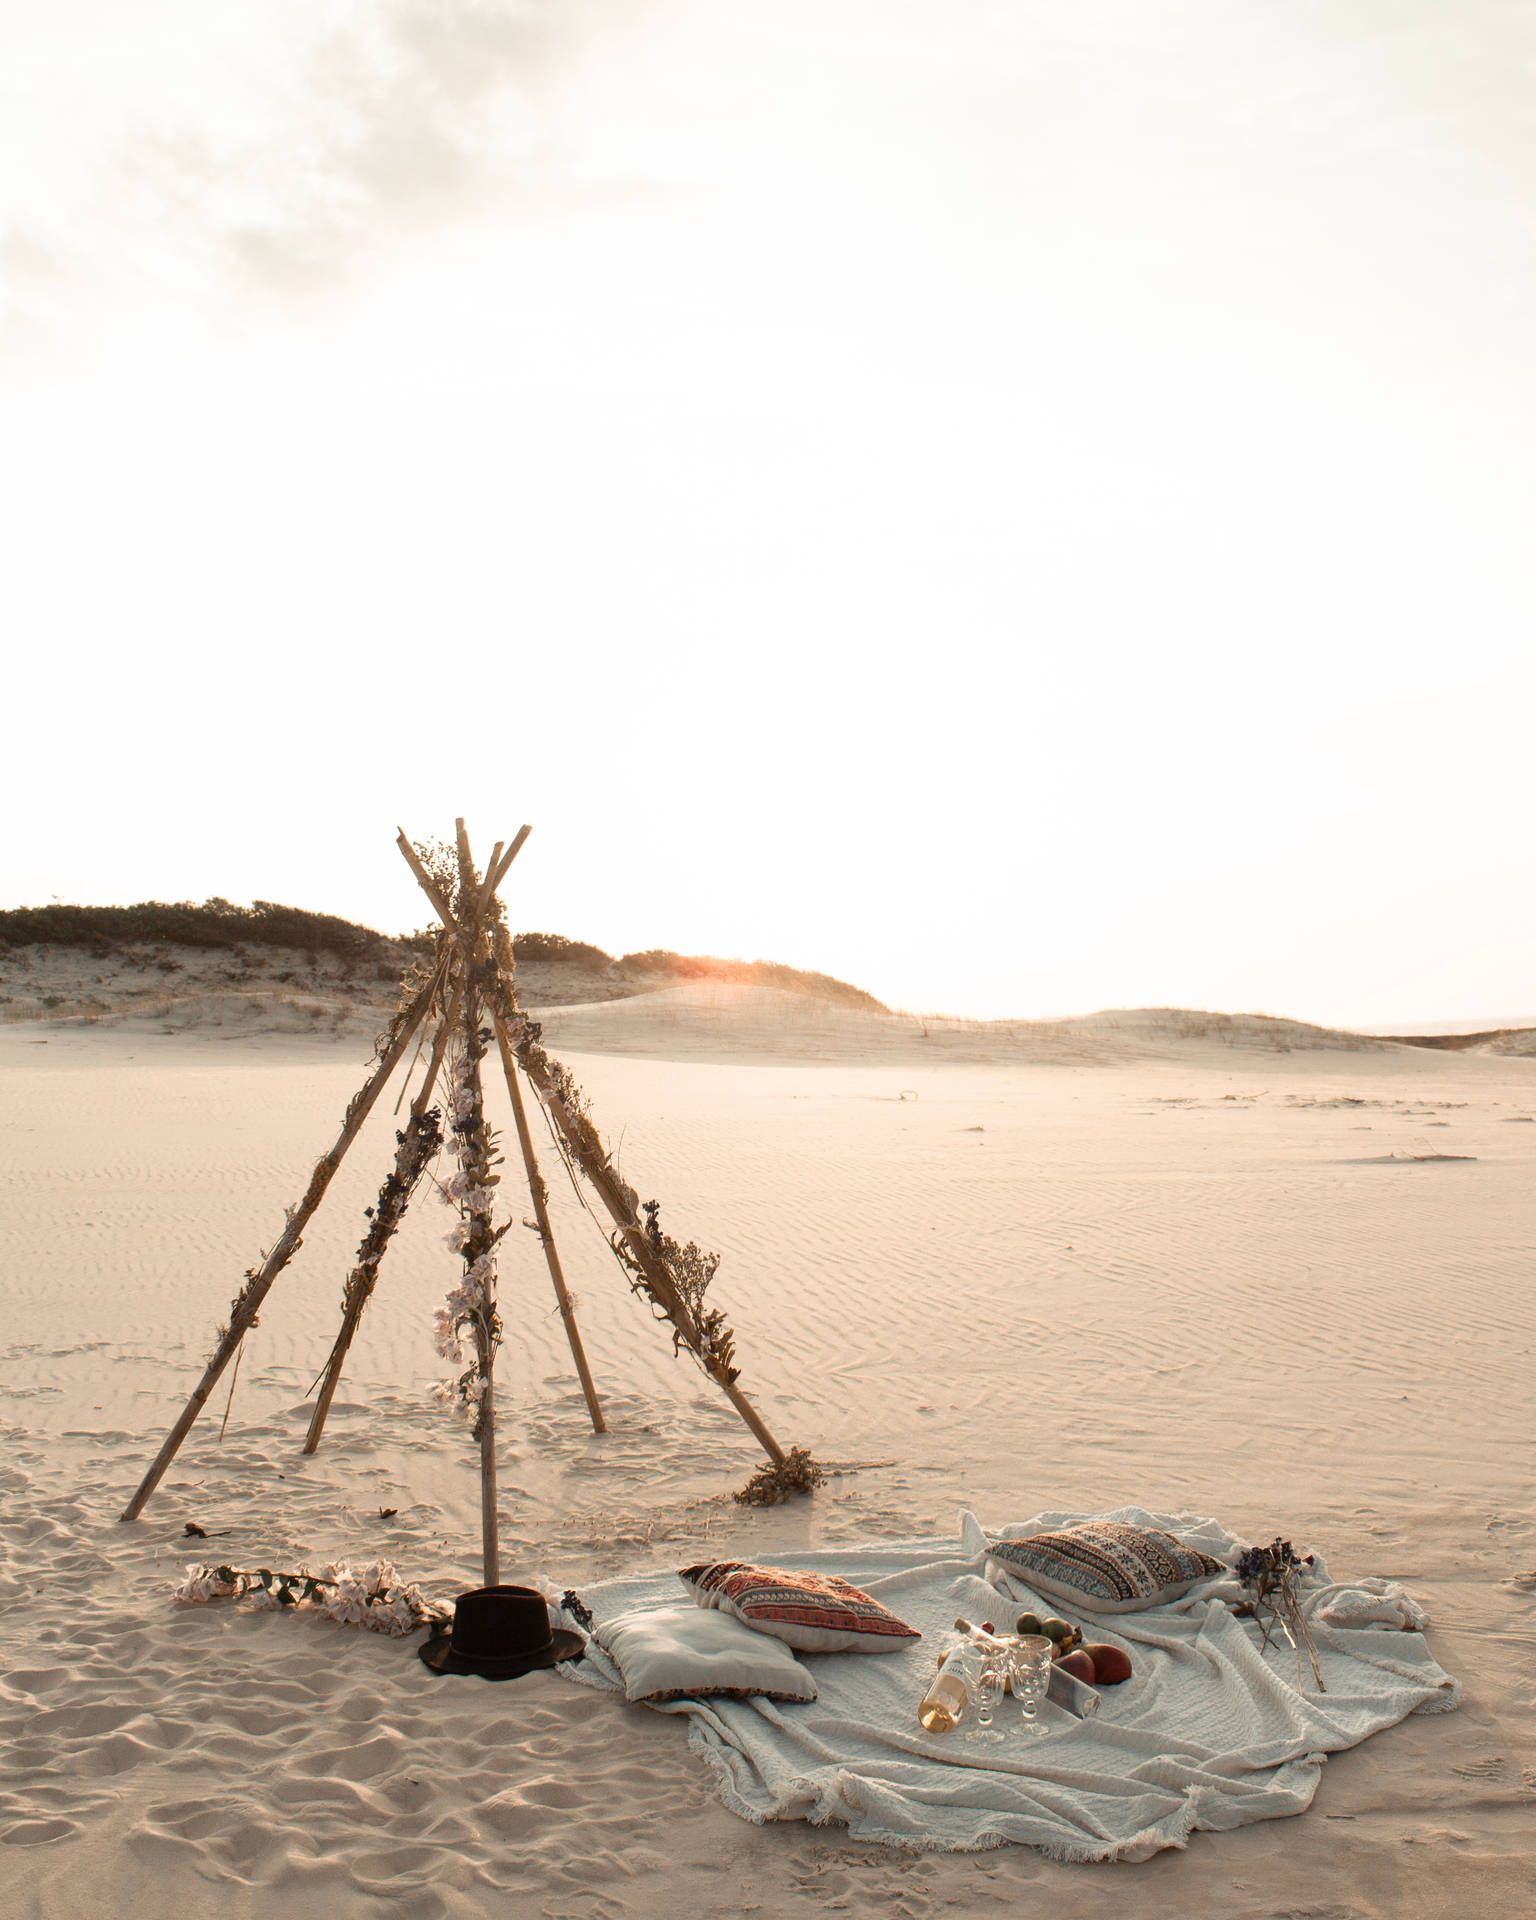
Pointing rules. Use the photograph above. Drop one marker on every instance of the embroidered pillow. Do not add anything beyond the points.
(678, 1653)
(1106, 1566)
(814, 1612)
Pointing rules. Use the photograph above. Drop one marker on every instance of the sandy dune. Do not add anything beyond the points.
(249, 992)
(1237, 1274)
(740, 1024)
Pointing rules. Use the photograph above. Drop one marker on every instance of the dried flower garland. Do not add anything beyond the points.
(1273, 1576)
(373, 1596)
(470, 1307)
(553, 1081)
(415, 1147)
(691, 1270)
(671, 1276)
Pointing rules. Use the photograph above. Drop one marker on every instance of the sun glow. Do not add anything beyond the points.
(1020, 511)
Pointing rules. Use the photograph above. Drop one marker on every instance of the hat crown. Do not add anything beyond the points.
(501, 1623)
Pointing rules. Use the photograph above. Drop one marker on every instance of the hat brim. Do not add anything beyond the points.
(438, 1654)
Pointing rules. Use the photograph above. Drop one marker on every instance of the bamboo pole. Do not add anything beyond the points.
(490, 1544)
(472, 886)
(252, 1296)
(616, 1198)
(353, 1311)
(500, 870)
(485, 1355)
(539, 1194)
(487, 891)
(468, 878)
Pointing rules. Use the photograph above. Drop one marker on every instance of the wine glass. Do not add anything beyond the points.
(1031, 1674)
(990, 1684)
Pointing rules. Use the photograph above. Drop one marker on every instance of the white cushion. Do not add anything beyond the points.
(686, 1653)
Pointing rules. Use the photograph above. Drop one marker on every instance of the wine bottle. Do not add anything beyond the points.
(950, 1692)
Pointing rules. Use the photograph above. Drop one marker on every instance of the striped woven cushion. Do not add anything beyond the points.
(1106, 1566)
(812, 1612)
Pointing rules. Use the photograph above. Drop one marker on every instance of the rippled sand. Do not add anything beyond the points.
(1216, 1277)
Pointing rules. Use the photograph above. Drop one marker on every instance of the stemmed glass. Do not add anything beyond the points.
(1031, 1672)
(991, 1683)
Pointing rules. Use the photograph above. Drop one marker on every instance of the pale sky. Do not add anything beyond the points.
(1023, 506)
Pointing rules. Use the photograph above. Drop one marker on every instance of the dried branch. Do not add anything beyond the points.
(771, 1486)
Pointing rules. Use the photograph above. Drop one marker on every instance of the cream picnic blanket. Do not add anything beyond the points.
(1210, 1732)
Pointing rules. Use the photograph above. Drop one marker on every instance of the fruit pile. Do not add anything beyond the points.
(1095, 1666)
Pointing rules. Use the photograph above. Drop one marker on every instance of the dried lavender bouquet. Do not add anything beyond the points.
(1272, 1575)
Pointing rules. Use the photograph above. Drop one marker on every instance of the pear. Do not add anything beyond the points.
(1111, 1664)
(1029, 1623)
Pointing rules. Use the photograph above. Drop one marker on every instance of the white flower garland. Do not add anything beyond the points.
(373, 1596)
(470, 1305)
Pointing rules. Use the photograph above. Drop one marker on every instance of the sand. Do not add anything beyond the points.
(1188, 1263)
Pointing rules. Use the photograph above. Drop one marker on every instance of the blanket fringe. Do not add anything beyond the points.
(1172, 1835)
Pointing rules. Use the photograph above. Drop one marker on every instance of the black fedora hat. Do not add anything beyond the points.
(500, 1633)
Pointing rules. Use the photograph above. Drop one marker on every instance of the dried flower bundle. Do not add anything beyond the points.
(1273, 1576)
(771, 1486)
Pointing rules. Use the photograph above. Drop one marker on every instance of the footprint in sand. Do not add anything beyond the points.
(36, 1833)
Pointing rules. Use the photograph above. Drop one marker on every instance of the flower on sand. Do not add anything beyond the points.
(205, 1583)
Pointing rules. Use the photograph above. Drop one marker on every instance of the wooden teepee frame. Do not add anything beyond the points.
(470, 992)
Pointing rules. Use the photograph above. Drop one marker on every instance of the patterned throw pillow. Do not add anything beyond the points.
(1106, 1566)
(812, 1612)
